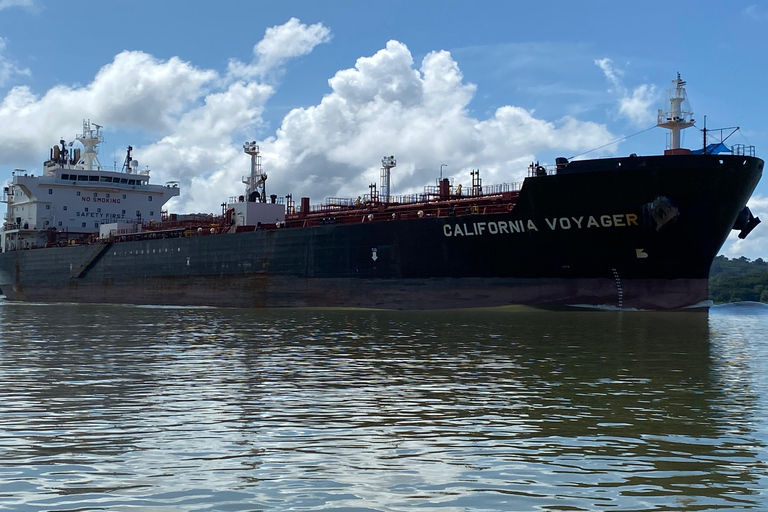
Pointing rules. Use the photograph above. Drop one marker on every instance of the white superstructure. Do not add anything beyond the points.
(75, 195)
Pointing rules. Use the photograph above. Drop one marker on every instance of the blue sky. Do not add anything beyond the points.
(327, 88)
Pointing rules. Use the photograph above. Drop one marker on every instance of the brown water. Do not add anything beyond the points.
(141, 409)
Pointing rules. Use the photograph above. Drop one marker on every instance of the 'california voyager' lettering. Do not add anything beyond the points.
(506, 227)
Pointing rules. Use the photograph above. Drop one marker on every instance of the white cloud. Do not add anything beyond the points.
(386, 104)
(635, 106)
(134, 91)
(280, 44)
(613, 75)
(29, 4)
(196, 114)
(9, 68)
(201, 151)
(754, 245)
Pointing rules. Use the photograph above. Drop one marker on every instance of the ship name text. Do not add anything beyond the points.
(503, 227)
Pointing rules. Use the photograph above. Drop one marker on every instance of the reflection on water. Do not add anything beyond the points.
(140, 408)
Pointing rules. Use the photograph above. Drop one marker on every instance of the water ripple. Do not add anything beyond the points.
(197, 409)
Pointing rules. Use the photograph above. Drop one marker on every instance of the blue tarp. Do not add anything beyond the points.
(713, 149)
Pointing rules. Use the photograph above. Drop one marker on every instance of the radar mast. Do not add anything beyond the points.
(387, 163)
(90, 139)
(255, 191)
(679, 116)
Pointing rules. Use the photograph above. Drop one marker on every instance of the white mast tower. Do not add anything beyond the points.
(257, 180)
(387, 163)
(90, 139)
(679, 115)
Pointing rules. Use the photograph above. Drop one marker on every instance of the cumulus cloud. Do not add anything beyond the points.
(635, 105)
(134, 91)
(201, 151)
(280, 44)
(754, 245)
(194, 114)
(385, 105)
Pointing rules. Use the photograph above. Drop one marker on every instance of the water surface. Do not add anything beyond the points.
(125, 408)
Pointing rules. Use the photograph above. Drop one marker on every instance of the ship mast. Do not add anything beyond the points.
(90, 139)
(255, 192)
(679, 115)
(387, 163)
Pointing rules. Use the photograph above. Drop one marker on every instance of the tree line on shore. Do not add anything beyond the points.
(738, 279)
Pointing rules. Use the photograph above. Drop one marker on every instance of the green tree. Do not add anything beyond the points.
(738, 279)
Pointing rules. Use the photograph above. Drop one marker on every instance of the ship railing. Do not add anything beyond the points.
(541, 170)
(491, 190)
(433, 195)
(430, 195)
(108, 168)
(242, 199)
(743, 150)
(339, 203)
(343, 203)
(409, 199)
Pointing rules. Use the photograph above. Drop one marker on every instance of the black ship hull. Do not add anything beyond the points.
(626, 232)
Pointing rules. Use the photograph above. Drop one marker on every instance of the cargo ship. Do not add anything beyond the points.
(633, 232)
